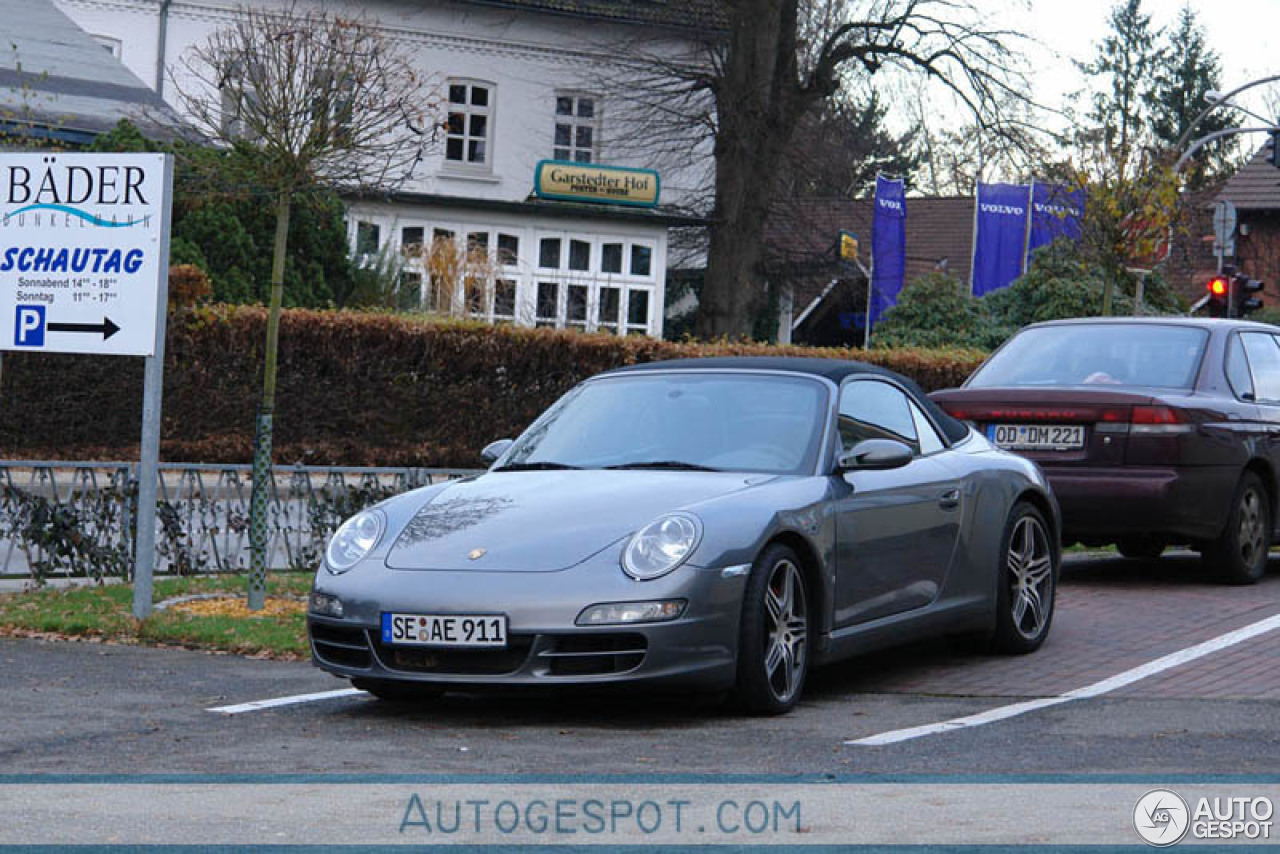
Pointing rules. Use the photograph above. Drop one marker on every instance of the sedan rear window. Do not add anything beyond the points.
(1105, 354)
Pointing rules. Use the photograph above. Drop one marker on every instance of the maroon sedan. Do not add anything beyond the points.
(1152, 431)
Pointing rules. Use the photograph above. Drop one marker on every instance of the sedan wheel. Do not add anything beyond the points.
(1239, 555)
(773, 652)
(1028, 582)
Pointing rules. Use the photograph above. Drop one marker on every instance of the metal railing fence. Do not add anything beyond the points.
(76, 519)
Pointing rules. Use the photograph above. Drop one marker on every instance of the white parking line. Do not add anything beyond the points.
(1096, 689)
(284, 701)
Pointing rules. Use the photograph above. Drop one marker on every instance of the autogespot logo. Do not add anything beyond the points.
(1161, 817)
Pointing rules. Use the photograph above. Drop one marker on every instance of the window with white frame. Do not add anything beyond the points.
(411, 240)
(238, 99)
(443, 261)
(333, 99)
(409, 297)
(595, 284)
(110, 45)
(368, 237)
(563, 279)
(467, 269)
(577, 127)
(638, 319)
(469, 124)
(547, 307)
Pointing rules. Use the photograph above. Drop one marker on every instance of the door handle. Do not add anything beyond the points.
(949, 500)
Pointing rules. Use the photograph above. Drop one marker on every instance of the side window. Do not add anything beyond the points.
(1238, 368)
(1264, 364)
(930, 441)
(870, 409)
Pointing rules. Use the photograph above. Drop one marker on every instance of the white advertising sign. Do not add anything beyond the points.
(80, 252)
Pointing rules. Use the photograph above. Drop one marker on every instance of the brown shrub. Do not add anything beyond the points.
(354, 388)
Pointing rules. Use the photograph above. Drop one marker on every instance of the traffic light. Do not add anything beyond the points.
(1243, 300)
(1219, 288)
(1275, 148)
(1233, 294)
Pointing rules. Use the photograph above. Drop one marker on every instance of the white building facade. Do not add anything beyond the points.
(520, 82)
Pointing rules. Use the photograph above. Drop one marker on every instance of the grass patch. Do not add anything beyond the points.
(106, 613)
(1080, 548)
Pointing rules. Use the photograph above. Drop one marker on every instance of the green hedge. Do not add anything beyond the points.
(354, 388)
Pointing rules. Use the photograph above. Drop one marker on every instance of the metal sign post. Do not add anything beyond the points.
(1224, 229)
(152, 393)
(84, 268)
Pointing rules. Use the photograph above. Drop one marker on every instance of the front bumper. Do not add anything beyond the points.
(545, 647)
(1177, 503)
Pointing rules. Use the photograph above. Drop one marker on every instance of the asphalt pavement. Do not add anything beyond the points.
(94, 708)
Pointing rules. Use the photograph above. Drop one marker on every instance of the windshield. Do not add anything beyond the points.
(723, 422)
(1105, 354)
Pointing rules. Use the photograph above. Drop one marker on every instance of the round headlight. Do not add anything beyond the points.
(661, 546)
(353, 540)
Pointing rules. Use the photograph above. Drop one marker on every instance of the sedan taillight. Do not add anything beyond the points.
(1159, 421)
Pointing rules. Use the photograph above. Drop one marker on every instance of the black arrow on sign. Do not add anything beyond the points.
(106, 327)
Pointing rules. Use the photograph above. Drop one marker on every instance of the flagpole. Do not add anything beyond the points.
(973, 251)
(1026, 233)
(871, 272)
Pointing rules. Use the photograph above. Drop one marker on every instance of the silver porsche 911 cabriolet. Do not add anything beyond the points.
(715, 523)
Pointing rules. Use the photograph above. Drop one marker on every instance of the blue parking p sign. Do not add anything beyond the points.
(28, 326)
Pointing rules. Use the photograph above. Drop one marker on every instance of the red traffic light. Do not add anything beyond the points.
(1219, 286)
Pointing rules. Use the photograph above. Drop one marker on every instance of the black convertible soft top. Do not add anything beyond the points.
(835, 370)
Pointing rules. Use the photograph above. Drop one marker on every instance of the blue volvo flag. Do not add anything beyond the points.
(999, 235)
(888, 247)
(1055, 212)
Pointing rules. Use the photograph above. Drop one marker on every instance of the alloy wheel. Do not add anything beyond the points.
(1030, 562)
(787, 629)
(1252, 529)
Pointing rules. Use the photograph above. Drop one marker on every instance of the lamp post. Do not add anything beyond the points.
(1218, 99)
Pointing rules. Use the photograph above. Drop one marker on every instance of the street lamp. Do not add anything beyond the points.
(1222, 96)
(1208, 138)
(1216, 98)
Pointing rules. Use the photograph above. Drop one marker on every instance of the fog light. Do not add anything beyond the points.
(618, 613)
(324, 604)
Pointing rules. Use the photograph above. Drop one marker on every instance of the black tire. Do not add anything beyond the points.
(1239, 555)
(393, 691)
(1141, 547)
(773, 640)
(1028, 582)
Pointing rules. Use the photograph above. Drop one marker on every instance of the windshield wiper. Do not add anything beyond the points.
(538, 466)
(664, 464)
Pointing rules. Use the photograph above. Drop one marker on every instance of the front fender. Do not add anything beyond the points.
(737, 527)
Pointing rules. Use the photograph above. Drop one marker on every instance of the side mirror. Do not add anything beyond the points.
(875, 455)
(494, 450)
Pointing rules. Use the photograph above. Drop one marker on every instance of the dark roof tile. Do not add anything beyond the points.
(1256, 186)
(54, 75)
(702, 15)
(800, 239)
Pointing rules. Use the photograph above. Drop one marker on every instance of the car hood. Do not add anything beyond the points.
(546, 521)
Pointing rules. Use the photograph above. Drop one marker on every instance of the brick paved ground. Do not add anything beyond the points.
(1112, 615)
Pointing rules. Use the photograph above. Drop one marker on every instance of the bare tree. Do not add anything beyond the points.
(752, 81)
(956, 158)
(316, 97)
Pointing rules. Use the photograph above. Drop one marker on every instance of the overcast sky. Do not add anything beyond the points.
(1245, 33)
